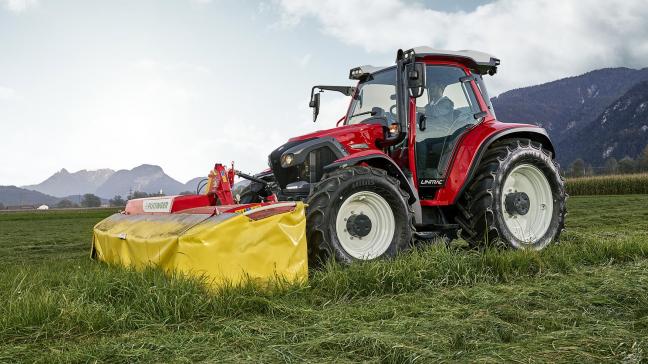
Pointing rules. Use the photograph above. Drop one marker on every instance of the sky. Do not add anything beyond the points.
(186, 83)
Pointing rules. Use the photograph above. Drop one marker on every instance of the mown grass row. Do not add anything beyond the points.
(620, 184)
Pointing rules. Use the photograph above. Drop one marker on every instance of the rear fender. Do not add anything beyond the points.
(452, 192)
(380, 160)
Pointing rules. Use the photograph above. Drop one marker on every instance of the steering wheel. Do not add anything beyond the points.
(392, 111)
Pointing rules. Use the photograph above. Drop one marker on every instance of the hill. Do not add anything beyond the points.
(16, 196)
(107, 183)
(567, 108)
(145, 178)
(64, 183)
(621, 130)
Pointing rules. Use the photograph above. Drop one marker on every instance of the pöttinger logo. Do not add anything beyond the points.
(157, 205)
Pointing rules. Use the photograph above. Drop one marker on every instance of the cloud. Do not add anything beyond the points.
(537, 40)
(152, 65)
(18, 6)
(7, 93)
(263, 7)
(304, 60)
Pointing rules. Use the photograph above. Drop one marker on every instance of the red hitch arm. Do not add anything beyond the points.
(220, 184)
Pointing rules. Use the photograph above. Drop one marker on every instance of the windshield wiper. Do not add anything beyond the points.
(373, 113)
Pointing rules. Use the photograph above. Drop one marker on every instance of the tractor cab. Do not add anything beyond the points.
(450, 99)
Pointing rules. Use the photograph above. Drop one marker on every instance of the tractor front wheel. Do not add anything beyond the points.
(516, 199)
(358, 213)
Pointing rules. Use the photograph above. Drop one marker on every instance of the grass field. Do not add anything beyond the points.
(584, 300)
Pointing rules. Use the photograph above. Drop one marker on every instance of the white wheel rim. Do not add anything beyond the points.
(532, 226)
(383, 225)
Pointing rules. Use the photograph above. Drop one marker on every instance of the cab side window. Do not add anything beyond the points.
(446, 112)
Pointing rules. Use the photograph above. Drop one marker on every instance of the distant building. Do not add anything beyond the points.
(20, 207)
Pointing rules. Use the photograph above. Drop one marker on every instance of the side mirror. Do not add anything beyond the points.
(415, 73)
(422, 122)
(315, 104)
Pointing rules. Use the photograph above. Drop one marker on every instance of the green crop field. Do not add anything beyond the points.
(616, 184)
(584, 300)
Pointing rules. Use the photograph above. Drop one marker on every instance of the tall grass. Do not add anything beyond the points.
(584, 299)
(73, 304)
(619, 184)
(60, 300)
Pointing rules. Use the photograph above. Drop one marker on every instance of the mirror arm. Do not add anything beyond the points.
(315, 97)
(345, 90)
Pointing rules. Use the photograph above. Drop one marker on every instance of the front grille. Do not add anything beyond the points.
(284, 175)
(323, 157)
(307, 171)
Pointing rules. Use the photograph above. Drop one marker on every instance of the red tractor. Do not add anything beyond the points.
(419, 155)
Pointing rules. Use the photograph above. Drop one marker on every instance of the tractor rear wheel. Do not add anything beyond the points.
(358, 213)
(516, 199)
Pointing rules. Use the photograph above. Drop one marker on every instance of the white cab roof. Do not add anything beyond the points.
(483, 63)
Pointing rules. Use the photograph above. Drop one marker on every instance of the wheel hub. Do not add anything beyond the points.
(527, 203)
(365, 225)
(359, 225)
(517, 203)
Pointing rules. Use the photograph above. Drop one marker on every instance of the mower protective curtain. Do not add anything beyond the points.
(226, 248)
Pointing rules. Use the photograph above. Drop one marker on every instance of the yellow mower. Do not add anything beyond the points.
(208, 235)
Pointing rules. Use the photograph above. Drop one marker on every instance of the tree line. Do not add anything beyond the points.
(91, 200)
(627, 165)
(87, 200)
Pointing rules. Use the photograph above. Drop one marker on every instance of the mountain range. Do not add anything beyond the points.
(145, 178)
(16, 196)
(64, 183)
(594, 116)
(105, 183)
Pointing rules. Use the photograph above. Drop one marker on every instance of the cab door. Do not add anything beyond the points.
(447, 109)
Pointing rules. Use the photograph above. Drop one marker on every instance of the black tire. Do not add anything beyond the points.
(327, 198)
(250, 192)
(481, 215)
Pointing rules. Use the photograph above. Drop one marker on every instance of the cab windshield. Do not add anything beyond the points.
(375, 96)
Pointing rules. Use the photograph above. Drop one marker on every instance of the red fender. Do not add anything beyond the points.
(378, 159)
(470, 150)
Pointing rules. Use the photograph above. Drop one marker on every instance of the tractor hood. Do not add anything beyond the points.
(304, 157)
(352, 137)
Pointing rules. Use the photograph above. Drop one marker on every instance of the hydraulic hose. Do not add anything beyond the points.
(251, 178)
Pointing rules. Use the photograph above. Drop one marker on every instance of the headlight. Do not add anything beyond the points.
(394, 129)
(287, 159)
